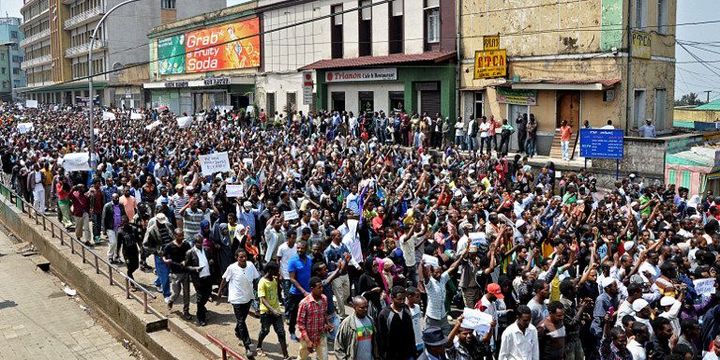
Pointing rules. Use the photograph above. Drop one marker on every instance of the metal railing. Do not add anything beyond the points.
(101, 265)
(34, 38)
(82, 49)
(42, 60)
(84, 17)
(227, 352)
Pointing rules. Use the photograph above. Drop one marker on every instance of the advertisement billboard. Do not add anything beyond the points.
(171, 55)
(213, 49)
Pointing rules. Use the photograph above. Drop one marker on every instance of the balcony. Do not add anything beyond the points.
(45, 59)
(82, 50)
(35, 38)
(84, 18)
(29, 21)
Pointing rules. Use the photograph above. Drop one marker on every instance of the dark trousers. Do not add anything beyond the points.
(485, 144)
(522, 136)
(293, 303)
(241, 329)
(203, 287)
(266, 321)
(131, 259)
(504, 144)
(96, 219)
(286, 284)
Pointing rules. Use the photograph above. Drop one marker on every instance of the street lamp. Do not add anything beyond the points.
(8, 45)
(91, 98)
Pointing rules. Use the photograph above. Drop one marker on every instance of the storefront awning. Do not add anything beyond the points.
(366, 61)
(579, 85)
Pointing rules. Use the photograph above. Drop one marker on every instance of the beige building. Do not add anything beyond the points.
(569, 60)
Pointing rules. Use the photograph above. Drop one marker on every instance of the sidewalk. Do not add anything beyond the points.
(39, 321)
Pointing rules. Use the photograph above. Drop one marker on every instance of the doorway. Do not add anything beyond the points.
(568, 108)
(239, 101)
(514, 112)
(338, 100)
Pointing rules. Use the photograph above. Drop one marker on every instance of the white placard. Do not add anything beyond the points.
(107, 116)
(155, 124)
(24, 128)
(136, 116)
(248, 162)
(184, 122)
(250, 110)
(31, 104)
(96, 132)
(704, 286)
(214, 163)
(234, 191)
(476, 320)
(290, 215)
(224, 109)
(76, 162)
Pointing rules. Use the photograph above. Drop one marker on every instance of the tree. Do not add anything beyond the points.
(689, 99)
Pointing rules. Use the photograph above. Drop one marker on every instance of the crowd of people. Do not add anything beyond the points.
(405, 245)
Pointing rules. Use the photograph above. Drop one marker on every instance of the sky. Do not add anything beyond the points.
(689, 77)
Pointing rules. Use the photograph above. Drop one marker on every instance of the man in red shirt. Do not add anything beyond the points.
(81, 213)
(313, 322)
(565, 134)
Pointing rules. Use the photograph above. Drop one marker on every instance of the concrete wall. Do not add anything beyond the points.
(696, 115)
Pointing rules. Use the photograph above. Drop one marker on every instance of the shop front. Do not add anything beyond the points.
(194, 96)
(413, 87)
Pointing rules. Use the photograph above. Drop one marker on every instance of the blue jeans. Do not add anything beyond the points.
(163, 276)
(470, 143)
(564, 147)
(530, 146)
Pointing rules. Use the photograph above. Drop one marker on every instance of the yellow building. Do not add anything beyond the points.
(568, 60)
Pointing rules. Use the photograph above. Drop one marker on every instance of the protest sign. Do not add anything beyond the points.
(214, 163)
(476, 320)
(155, 124)
(290, 215)
(136, 116)
(234, 191)
(96, 132)
(76, 162)
(31, 104)
(430, 260)
(248, 162)
(704, 286)
(108, 116)
(24, 128)
(184, 122)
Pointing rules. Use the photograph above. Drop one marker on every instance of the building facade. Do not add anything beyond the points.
(11, 56)
(593, 61)
(58, 36)
(206, 61)
(358, 56)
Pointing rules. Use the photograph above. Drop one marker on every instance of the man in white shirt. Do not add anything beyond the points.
(286, 251)
(520, 340)
(197, 263)
(636, 344)
(240, 277)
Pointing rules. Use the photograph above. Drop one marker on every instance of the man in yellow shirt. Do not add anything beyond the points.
(270, 312)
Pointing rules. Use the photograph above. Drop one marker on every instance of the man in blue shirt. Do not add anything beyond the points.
(300, 269)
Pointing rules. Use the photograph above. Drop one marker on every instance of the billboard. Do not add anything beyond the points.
(171, 55)
(602, 143)
(211, 49)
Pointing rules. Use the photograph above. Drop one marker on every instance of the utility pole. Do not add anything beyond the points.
(707, 95)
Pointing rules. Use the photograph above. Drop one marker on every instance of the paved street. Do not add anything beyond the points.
(39, 321)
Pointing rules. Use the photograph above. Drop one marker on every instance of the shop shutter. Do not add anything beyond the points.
(430, 102)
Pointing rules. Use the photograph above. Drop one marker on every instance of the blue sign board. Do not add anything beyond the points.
(602, 143)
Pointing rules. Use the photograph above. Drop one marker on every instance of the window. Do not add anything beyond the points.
(336, 32)
(396, 27)
(270, 104)
(14, 35)
(291, 105)
(167, 4)
(479, 109)
(639, 108)
(640, 14)
(662, 13)
(432, 21)
(5, 84)
(365, 28)
(16, 71)
(2, 71)
(660, 114)
(367, 102)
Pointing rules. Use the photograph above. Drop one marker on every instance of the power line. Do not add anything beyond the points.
(359, 8)
(712, 70)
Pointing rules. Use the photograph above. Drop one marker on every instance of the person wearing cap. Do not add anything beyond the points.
(671, 310)
(643, 312)
(247, 216)
(492, 304)
(605, 303)
(159, 233)
(436, 344)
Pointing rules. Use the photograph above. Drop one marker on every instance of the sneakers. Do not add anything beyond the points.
(294, 338)
(251, 350)
(169, 303)
(187, 316)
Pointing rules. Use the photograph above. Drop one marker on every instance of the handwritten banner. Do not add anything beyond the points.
(214, 163)
(704, 286)
(184, 122)
(234, 191)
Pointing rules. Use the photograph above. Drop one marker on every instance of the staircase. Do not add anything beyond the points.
(556, 150)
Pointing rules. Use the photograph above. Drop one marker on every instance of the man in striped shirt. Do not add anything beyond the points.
(192, 216)
(178, 201)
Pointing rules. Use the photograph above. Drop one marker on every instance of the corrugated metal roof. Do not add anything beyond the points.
(713, 105)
